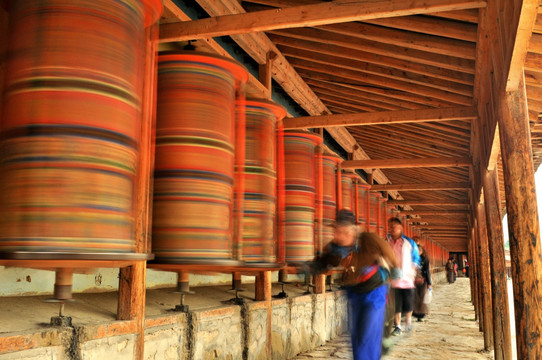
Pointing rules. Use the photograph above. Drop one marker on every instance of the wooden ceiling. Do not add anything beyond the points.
(403, 74)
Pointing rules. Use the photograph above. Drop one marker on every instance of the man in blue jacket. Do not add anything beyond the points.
(408, 258)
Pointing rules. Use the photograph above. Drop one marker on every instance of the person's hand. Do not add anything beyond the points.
(429, 286)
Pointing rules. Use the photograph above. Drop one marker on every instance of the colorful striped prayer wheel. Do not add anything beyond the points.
(194, 165)
(261, 117)
(300, 182)
(347, 187)
(330, 197)
(362, 205)
(71, 126)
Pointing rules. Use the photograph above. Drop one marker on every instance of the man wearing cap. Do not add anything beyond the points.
(368, 261)
(408, 258)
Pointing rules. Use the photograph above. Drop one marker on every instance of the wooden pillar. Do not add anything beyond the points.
(523, 227)
(499, 291)
(132, 279)
(485, 278)
(319, 284)
(476, 275)
(236, 281)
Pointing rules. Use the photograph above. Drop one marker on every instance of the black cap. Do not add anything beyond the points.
(345, 217)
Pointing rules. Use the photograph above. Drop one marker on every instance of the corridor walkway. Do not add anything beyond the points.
(449, 332)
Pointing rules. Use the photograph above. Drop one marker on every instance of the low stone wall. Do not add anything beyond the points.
(297, 324)
(438, 277)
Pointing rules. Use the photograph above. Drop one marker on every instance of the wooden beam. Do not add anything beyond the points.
(428, 202)
(523, 32)
(306, 16)
(441, 227)
(426, 186)
(434, 212)
(406, 163)
(384, 117)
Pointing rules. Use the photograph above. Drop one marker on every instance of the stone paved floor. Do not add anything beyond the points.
(449, 332)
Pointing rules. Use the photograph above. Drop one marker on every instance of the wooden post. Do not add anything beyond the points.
(265, 71)
(499, 291)
(485, 278)
(523, 224)
(476, 275)
(236, 280)
(319, 284)
(132, 279)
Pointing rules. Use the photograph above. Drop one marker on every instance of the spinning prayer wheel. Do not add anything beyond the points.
(260, 195)
(195, 157)
(300, 150)
(71, 127)
(362, 205)
(347, 187)
(329, 196)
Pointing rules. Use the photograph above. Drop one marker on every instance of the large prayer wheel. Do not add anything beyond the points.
(362, 206)
(347, 191)
(259, 246)
(71, 124)
(300, 183)
(330, 197)
(195, 156)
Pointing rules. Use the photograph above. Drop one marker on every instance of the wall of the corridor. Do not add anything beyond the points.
(297, 324)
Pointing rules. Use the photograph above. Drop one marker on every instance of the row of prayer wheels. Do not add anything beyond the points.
(70, 133)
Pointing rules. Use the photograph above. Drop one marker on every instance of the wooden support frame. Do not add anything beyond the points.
(423, 186)
(306, 16)
(466, 113)
(407, 163)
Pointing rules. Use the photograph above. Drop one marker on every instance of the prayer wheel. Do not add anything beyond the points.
(195, 156)
(300, 183)
(347, 187)
(260, 195)
(70, 131)
(330, 197)
(362, 205)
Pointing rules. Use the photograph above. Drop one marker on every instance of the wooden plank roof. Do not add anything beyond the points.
(407, 77)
